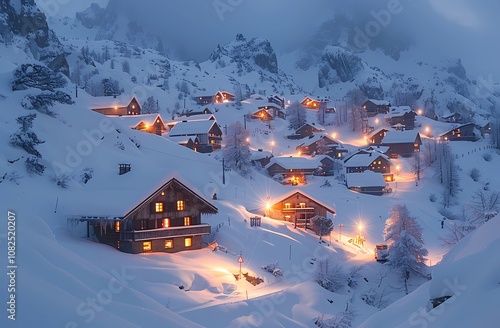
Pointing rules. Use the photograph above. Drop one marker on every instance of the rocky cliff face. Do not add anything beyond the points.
(338, 65)
(22, 18)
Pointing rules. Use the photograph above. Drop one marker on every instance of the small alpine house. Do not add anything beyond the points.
(168, 220)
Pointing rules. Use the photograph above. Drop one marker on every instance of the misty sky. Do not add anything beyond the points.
(193, 28)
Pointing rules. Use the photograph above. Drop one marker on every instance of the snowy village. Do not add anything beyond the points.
(331, 185)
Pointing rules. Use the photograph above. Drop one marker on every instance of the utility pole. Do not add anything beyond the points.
(223, 172)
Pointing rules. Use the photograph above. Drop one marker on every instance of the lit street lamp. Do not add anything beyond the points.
(340, 231)
(240, 260)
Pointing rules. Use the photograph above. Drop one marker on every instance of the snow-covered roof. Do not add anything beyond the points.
(259, 154)
(403, 136)
(181, 139)
(365, 179)
(134, 120)
(191, 127)
(395, 111)
(318, 98)
(290, 162)
(380, 149)
(363, 160)
(111, 101)
(314, 125)
(281, 198)
(192, 118)
(380, 102)
(317, 137)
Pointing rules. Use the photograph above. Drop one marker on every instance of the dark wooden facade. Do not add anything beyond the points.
(463, 132)
(298, 208)
(374, 107)
(169, 220)
(310, 148)
(376, 163)
(407, 119)
(404, 149)
(263, 115)
(157, 126)
(377, 137)
(308, 130)
(280, 101)
(132, 108)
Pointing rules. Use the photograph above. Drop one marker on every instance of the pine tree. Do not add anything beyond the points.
(322, 226)
(406, 244)
(236, 149)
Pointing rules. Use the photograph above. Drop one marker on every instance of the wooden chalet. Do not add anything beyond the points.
(260, 157)
(168, 220)
(402, 115)
(290, 166)
(322, 144)
(298, 208)
(277, 100)
(452, 117)
(116, 106)
(307, 130)
(217, 98)
(402, 143)
(315, 102)
(189, 118)
(208, 132)
(368, 182)
(464, 132)
(377, 136)
(263, 115)
(373, 107)
(369, 161)
(151, 123)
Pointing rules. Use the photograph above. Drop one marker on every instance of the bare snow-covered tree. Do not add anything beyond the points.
(322, 226)
(332, 278)
(125, 66)
(25, 138)
(344, 319)
(236, 148)
(37, 76)
(416, 165)
(484, 206)
(296, 115)
(406, 243)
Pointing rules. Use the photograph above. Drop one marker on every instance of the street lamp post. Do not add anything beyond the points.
(240, 260)
(340, 231)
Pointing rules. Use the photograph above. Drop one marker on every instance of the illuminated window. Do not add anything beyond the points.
(146, 246)
(180, 205)
(302, 205)
(187, 220)
(166, 223)
(163, 193)
(287, 205)
(117, 226)
(379, 162)
(169, 243)
(159, 207)
(188, 242)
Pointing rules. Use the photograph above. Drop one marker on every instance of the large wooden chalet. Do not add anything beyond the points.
(268, 112)
(208, 132)
(151, 123)
(277, 100)
(290, 166)
(402, 143)
(464, 132)
(373, 107)
(307, 130)
(322, 144)
(168, 220)
(298, 208)
(402, 116)
(113, 105)
(377, 136)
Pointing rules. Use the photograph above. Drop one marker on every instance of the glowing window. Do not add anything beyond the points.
(302, 205)
(159, 207)
(188, 242)
(146, 246)
(288, 205)
(117, 226)
(180, 205)
(166, 223)
(169, 243)
(187, 220)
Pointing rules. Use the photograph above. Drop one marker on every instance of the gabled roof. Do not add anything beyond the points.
(317, 137)
(294, 163)
(379, 102)
(182, 140)
(122, 100)
(364, 159)
(404, 136)
(134, 120)
(470, 125)
(313, 125)
(377, 132)
(317, 98)
(259, 154)
(366, 179)
(282, 198)
(192, 127)
(269, 106)
(198, 117)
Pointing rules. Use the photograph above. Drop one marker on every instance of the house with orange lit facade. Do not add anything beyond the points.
(315, 102)
(369, 161)
(298, 208)
(168, 219)
(116, 105)
(218, 98)
(151, 123)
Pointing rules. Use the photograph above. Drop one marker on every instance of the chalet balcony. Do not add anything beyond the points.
(161, 233)
(298, 209)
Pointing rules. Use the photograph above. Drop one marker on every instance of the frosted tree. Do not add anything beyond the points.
(484, 206)
(296, 115)
(322, 226)
(236, 148)
(322, 113)
(416, 166)
(150, 106)
(406, 244)
(125, 66)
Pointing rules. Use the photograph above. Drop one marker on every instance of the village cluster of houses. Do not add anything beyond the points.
(169, 218)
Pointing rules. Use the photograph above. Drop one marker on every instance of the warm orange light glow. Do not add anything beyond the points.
(247, 139)
(299, 153)
(334, 135)
(376, 121)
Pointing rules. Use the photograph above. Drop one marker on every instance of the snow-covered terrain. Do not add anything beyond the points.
(64, 279)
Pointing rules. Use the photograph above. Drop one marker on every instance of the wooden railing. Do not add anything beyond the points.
(137, 235)
(299, 209)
